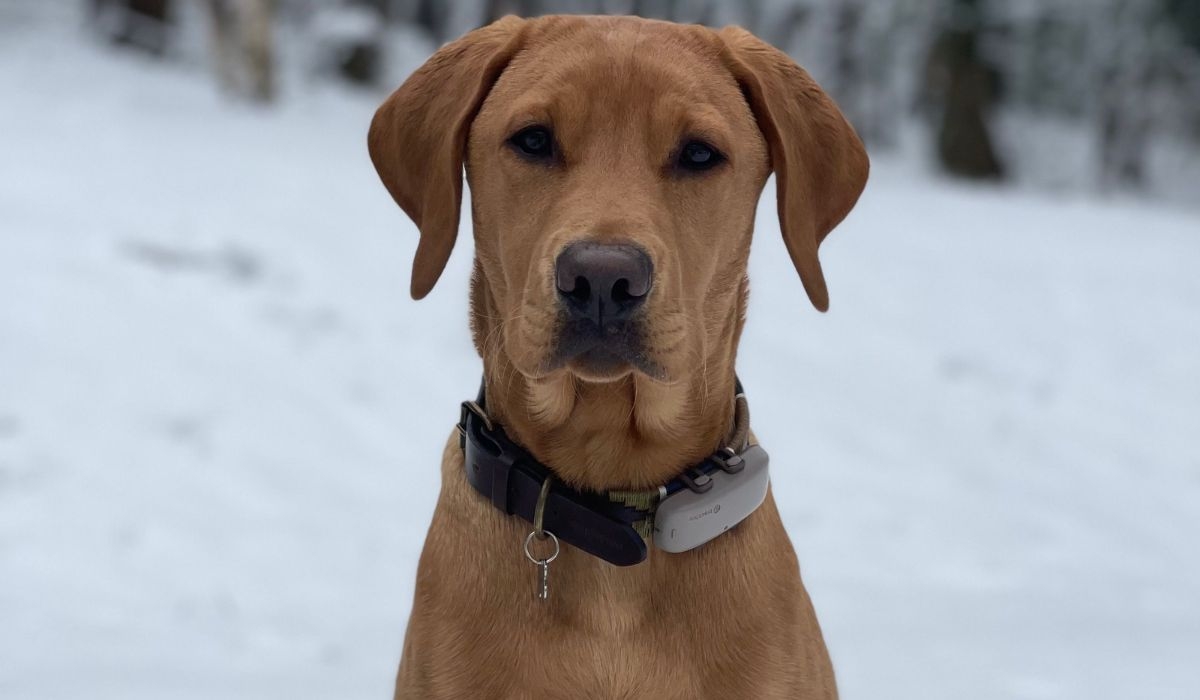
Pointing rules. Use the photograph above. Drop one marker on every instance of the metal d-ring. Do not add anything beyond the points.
(547, 560)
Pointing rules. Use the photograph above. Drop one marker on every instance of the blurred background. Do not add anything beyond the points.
(221, 416)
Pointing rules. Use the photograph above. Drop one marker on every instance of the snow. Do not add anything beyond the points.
(221, 416)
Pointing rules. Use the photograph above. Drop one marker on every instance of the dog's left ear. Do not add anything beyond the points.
(418, 137)
(819, 162)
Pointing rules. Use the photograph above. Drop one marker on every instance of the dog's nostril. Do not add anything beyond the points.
(621, 293)
(580, 292)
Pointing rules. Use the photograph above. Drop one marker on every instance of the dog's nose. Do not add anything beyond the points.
(602, 282)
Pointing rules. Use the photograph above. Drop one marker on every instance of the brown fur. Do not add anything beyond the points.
(730, 619)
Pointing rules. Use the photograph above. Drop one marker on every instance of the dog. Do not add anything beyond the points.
(615, 165)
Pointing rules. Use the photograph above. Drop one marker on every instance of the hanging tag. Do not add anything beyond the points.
(542, 592)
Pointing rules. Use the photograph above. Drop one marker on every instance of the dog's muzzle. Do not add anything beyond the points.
(602, 289)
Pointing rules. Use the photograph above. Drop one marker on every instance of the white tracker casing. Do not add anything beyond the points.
(686, 519)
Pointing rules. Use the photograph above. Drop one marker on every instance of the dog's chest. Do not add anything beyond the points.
(599, 671)
(601, 652)
(646, 666)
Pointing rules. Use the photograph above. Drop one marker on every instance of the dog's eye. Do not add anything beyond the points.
(697, 155)
(534, 142)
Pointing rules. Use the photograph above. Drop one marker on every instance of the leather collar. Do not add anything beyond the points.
(611, 525)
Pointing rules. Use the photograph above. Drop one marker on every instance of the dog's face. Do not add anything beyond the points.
(614, 174)
(615, 166)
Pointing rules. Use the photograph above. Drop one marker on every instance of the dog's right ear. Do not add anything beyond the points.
(419, 135)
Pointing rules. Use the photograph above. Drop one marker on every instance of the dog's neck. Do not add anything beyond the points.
(632, 433)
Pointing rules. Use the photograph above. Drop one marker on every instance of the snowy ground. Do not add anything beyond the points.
(221, 415)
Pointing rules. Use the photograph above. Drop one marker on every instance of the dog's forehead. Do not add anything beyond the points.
(608, 59)
(617, 36)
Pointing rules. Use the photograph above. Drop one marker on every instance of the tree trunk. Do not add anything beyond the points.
(139, 24)
(965, 87)
(243, 48)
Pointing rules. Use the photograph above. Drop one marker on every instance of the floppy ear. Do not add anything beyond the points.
(819, 162)
(418, 137)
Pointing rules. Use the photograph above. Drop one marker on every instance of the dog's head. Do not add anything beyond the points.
(615, 166)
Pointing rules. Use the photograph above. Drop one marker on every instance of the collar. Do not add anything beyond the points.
(611, 525)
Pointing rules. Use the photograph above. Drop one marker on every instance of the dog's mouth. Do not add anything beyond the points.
(603, 352)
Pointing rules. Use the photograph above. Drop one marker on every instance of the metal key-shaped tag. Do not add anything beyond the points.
(543, 565)
(543, 592)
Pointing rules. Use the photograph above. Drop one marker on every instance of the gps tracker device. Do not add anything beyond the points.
(688, 518)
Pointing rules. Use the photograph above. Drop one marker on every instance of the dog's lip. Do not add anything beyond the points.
(602, 363)
(598, 354)
(588, 372)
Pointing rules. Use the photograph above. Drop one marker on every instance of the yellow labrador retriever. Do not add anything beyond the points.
(615, 164)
